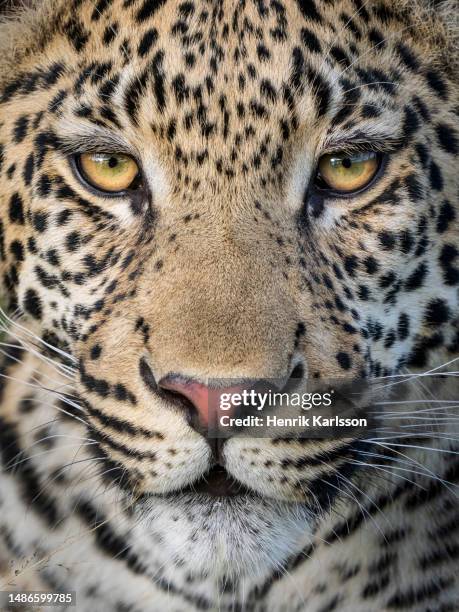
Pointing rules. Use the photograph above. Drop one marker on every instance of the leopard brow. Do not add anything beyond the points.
(95, 144)
(94, 141)
(361, 141)
(75, 139)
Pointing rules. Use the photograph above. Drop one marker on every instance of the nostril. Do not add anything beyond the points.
(297, 372)
(296, 377)
(165, 388)
(188, 395)
(181, 402)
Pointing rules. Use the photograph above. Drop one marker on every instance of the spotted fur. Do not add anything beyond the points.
(227, 264)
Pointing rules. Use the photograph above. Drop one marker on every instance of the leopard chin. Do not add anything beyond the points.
(234, 532)
(232, 537)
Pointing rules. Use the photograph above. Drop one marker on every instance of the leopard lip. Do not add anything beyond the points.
(217, 482)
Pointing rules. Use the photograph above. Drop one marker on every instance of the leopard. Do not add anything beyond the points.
(197, 196)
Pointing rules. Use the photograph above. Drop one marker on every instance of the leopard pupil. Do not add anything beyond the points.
(112, 162)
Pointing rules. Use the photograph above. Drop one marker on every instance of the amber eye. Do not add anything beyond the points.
(110, 172)
(347, 173)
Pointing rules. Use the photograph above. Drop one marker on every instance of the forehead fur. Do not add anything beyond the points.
(27, 27)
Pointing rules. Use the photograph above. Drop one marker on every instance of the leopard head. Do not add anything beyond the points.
(196, 191)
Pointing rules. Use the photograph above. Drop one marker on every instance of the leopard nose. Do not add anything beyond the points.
(204, 404)
(201, 402)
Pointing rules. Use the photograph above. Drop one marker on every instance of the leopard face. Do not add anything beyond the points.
(228, 256)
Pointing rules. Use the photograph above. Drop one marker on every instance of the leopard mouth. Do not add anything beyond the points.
(216, 482)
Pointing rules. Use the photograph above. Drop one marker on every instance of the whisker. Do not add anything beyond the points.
(27, 332)
(20, 361)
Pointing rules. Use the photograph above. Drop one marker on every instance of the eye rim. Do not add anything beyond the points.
(382, 158)
(80, 175)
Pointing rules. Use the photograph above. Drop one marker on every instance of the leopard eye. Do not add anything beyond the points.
(108, 172)
(346, 173)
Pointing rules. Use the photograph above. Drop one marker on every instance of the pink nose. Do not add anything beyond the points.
(206, 401)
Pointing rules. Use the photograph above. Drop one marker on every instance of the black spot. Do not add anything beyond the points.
(158, 76)
(11, 170)
(410, 123)
(403, 328)
(190, 60)
(344, 360)
(134, 91)
(340, 56)
(258, 110)
(407, 56)
(416, 279)
(29, 169)
(17, 250)
(376, 38)
(447, 138)
(32, 245)
(267, 90)
(437, 312)
(448, 256)
(387, 280)
(389, 339)
(57, 101)
(40, 221)
(387, 240)
(437, 84)
(52, 257)
(107, 113)
(422, 108)
(311, 41)
(171, 129)
(76, 34)
(414, 187)
(350, 24)
(99, 9)
(128, 260)
(321, 91)
(108, 87)
(121, 392)
(73, 241)
(44, 186)
(64, 216)
(49, 281)
(370, 111)
(406, 241)
(309, 10)
(96, 385)
(263, 53)
(371, 265)
(32, 304)
(20, 129)
(148, 40)
(350, 264)
(148, 9)
(446, 214)
(423, 154)
(96, 351)
(110, 33)
(435, 177)
(16, 211)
